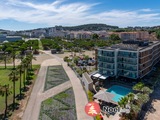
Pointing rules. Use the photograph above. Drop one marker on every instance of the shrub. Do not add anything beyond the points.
(98, 117)
(65, 58)
(90, 96)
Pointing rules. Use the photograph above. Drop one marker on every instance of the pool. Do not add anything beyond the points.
(119, 92)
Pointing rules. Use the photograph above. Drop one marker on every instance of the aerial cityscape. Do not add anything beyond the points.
(79, 60)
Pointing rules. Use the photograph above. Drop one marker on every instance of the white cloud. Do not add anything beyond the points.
(145, 10)
(60, 13)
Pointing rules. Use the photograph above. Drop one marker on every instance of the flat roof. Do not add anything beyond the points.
(103, 77)
(96, 75)
(131, 47)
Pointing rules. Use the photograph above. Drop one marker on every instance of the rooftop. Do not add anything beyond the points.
(133, 45)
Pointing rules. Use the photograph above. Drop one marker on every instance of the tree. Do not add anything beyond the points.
(142, 98)
(20, 70)
(5, 59)
(146, 90)
(5, 91)
(158, 34)
(138, 86)
(24, 66)
(95, 36)
(13, 76)
(114, 37)
(130, 97)
(13, 55)
(75, 59)
(30, 57)
(123, 102)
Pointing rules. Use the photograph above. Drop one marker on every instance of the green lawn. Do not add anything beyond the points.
(40, 45)
(4, 79)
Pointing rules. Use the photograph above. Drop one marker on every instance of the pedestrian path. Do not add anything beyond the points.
(38, 95)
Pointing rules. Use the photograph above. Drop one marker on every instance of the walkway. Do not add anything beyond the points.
(80, 96)
(37, 95)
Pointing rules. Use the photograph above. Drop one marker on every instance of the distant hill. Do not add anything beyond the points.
(155, 27)
(88, 27)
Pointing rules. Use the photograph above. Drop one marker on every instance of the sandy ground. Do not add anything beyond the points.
(89, 53)
(42, 57)
(154, 112)
(39, 59)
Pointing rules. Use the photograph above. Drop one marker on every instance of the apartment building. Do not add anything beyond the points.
(138, 35)
(130, 59)
(128, 35)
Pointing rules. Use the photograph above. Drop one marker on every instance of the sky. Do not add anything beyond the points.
(31, 14)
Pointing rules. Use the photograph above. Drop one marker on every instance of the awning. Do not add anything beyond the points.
(104, 96)
(103, 77)
(97, 75)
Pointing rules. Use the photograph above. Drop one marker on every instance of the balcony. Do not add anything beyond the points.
(127, 60)
(128, 74)
(106, 60)
(127, 54)
(106, 53)
(128, 68)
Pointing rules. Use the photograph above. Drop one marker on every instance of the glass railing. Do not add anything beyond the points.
(128, 74)
(105, 65)
(128, 68)
(106, 53)
(127, 54)
(106, 72)
(104, 59)
(129, 61)
(110, 54)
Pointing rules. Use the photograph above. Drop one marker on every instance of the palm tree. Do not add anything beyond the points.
(138, 86)
(19, 69)
(130, 97)
(146, 90)
(5, 91)
(13, 55)
(24, 66)
(13, 76)
(5, 59)
(28, 61)
(123, 102)
(31, 57)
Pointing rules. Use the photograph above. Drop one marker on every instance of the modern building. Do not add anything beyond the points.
(137, 35)
(9, 38)
(130, 59)
(2, 37)
(13, 38)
